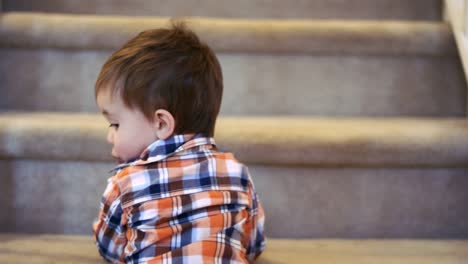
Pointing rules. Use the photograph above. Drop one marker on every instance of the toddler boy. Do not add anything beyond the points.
(174, 198)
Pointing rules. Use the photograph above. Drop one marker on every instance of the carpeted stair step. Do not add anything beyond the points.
(285, 141)
(271, 67)
(317, 9)
(46, 249)
(330, 177)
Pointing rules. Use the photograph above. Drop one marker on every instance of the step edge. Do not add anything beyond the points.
(28, 30)
(290, 141)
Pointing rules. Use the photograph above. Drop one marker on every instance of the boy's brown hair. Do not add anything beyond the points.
(167, 69)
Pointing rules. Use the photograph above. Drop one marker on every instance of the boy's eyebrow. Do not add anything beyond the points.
(104, 112)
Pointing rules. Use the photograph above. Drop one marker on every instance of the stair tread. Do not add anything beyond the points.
(369, 37)
(18, 248)
(293, 140)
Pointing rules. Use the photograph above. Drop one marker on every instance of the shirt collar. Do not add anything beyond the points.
(161, 149)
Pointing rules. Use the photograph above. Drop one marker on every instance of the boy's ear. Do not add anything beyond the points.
(164, 124)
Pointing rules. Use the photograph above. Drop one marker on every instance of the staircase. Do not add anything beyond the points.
(350, 114)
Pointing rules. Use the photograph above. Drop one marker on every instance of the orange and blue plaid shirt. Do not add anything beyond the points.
(183, 201)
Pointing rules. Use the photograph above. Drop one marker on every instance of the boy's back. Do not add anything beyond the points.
(191, 203)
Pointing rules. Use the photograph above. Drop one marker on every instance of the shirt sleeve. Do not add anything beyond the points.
(109, 229)
(258, 239)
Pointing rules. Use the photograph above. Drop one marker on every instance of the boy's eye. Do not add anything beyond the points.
(114, 126)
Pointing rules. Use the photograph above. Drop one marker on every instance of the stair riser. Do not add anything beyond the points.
(364, 202)
(333, 85)
(356, 9)
(63, 197)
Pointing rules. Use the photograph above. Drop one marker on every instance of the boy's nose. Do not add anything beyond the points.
(110, 136)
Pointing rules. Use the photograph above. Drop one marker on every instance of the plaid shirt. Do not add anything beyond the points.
(181, 202)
